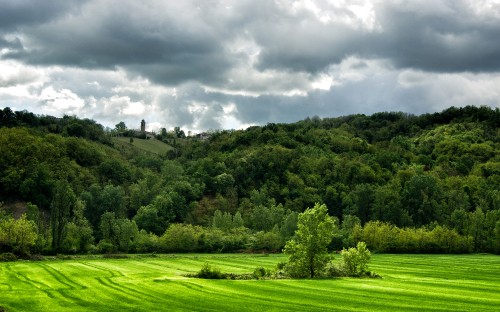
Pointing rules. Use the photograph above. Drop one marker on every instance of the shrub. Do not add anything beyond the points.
(211, 240)
(180, 238)
(63, 257)
(147, 242)
(334, 270)
(270, 241)
(36, 257)
(8, 256)
(355, 260)
(261, 272)
(209, 272)
(105, 246)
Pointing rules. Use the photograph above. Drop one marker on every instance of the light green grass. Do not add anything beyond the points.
(409, 283)
(151, 145)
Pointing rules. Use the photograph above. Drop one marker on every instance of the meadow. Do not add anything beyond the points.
(409, 282)
(152, 146)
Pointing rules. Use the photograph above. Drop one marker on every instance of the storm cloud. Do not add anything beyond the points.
(231, 64)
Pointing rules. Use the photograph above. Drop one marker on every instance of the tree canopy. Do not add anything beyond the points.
(308, 248)
(384, 177)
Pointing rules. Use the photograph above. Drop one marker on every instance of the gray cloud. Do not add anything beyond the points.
(437, 36)
(164, 46)
(454, 39)
(198, 64)
(15, 14)
(171, 43)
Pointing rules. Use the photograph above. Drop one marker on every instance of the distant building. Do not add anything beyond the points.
(143, 126)
(142, 133)
(203, 136)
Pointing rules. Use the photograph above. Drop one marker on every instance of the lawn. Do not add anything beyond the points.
(152, 145)
(410, 282)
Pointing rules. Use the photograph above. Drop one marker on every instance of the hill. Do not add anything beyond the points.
(385, 177)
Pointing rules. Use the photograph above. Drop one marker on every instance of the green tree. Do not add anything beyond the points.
(19, 235)
(121, 127)
(180, 238)
(308, 249)
(79, 236)
(222, 221)
(60, 209)
(237, 220)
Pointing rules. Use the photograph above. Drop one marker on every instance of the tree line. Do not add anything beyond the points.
(399, 182)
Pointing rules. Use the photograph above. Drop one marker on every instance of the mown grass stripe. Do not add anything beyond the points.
(410, 283)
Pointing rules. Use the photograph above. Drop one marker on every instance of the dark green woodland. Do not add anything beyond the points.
(401, 183)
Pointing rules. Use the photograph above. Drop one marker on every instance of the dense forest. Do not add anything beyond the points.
(399, 182)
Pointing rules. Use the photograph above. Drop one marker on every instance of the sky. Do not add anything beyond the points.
(215, 64)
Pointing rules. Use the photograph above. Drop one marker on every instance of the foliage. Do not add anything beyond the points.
(209, 272)
(433, 177)
(61, 207)
(308, 249)
(384, 237)
(7, 256)
(18, 235)
(180, 238)
(355, 260)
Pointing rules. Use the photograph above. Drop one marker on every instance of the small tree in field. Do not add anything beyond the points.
(355, 260)
(308, 249)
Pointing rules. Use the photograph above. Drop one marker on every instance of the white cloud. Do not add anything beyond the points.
(60, 101)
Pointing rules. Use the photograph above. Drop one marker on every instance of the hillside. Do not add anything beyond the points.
(385, 177)
(151, 146)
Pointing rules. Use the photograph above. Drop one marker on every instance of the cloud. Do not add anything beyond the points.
(15, 14)
(221, 63)
(55, 101)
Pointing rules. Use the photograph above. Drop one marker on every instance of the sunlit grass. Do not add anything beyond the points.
(410, 282)
(152, 145)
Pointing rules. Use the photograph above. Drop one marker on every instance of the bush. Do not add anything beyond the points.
(36, 257)
(8, 256)
(270, 241)
(63, 257)
(211, 240)
(105, 247)
(261, 272)
(355, 260)
(334, 270)
(147, 242)
(180, 238)
(209, 272)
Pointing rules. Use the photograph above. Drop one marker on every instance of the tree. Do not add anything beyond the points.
(308, 249)
(19, 235)
(121, 127)
(60, 209)
(79, 232)
(147, 219)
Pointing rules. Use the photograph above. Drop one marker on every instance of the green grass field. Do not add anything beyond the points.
(152, 145)
(410, 282)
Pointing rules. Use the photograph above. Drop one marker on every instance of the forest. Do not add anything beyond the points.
(401, 183)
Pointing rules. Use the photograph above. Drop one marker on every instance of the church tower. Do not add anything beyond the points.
(143, 126)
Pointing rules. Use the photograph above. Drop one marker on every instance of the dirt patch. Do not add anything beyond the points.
(16, 208)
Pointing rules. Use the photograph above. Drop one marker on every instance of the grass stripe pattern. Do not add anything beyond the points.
(409, 283)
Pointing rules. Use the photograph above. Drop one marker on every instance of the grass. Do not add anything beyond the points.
(410, 283)
(151, 145)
